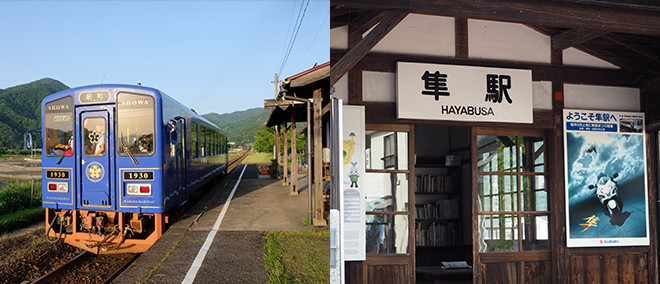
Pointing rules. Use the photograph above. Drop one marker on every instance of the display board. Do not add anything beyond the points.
(605, 178)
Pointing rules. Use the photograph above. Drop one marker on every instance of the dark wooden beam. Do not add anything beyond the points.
(574, 37)
(366, 44)
(574, 15)
(383, 112)
(611, 57)
(365, 21)
(386, 62)
(636, 48)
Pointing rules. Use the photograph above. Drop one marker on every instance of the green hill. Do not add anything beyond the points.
(240, 125)
(20, 109)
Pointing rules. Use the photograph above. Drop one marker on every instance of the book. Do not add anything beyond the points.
(455, 265)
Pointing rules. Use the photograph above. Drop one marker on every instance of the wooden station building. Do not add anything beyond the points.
(493, 191)
(303, 97)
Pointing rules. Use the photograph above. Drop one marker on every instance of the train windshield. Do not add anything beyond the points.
(135, 124)
(58, 127)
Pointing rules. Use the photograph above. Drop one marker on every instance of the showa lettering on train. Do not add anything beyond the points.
(58, 107)
(135, 102)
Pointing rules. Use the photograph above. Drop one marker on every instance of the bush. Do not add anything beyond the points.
(21, 219)
(17, 196)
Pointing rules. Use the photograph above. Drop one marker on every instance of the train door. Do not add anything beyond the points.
(96, 160)
(181, 160)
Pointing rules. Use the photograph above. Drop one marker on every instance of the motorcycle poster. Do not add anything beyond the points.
(605, 181)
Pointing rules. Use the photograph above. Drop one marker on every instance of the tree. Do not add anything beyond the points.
(265, 141)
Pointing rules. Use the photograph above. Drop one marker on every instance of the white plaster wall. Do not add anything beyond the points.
(339, 37)
(601, 98)
(507, 41)
(420, 34)
(575, 57)
(542, 95)
(378, 86)
(341, 89)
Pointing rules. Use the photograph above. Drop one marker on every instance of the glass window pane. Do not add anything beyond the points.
(135, 124)
(498, 233)
(385, 150)
(534, 193)
(496, 153)
(532, 154)
(58, 122)
(536, 232)
(497, 193)
(95, 136)
(387, 234)
(386, 192)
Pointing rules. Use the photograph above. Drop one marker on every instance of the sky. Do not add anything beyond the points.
(213, 56)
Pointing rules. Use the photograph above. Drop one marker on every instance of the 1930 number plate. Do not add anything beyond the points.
(138, 175)
(57, 174)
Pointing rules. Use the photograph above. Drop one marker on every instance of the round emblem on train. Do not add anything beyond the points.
(95, 171)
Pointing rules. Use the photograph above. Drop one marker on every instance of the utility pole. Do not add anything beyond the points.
(276, 83)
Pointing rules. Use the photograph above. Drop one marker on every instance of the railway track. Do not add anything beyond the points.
(234, 162)
(92, 268)
(89, 268)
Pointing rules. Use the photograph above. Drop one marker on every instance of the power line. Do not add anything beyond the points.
(301, 16)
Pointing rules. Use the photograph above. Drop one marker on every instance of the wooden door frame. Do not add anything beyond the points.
(407, 259)
(520, 257)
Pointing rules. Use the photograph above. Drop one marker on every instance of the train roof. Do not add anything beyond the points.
(116, 88)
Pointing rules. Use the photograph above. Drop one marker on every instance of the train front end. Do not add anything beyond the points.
(102, 168)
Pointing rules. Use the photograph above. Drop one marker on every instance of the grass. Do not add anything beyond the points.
(297, 257)
(21, 219)
(258, 158)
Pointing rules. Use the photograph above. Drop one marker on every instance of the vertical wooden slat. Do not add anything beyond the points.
(626, 268)
(537, 272)
(577, 269)
(611, 269)
(641, 269)
(592, 269)
(557, 192)
(461, 37)
(652, 159)
(475, 205)
(411, 199)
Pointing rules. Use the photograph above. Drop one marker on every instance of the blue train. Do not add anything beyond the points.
(119, 163)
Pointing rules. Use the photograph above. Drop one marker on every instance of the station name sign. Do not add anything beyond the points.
(463, 93)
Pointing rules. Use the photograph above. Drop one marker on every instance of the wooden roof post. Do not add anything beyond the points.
(317, 203)
(294, 157)
(277, 148)
(285, 154)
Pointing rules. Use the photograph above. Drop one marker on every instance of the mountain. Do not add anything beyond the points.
(20, 109)
(240, 125)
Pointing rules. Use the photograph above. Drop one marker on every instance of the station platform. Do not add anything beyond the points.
(219, 240)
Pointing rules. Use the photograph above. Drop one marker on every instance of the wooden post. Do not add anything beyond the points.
(318, 160)
(294, 157)
(285, 169)
(277, 147)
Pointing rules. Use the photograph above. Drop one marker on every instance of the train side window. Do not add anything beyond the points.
(193, 138)
(58, 127)
(135, 124)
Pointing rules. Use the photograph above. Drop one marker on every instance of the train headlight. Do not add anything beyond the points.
(138, 189)
(58, 187)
